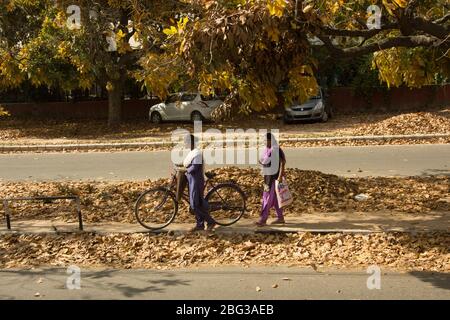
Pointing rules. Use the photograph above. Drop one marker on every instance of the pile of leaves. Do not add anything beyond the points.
(410, 123)
(354, 143)
(313, 192)
(430, 252)
(46, 129)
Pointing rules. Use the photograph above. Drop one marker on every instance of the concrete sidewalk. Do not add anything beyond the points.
(340, 222)
(8, 147)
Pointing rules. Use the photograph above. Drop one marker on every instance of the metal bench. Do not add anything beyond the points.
(7, 201)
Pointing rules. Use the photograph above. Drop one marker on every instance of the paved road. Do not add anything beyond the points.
(346, 161)
(230, 283)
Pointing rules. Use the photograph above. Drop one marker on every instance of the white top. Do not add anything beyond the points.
(194, 156)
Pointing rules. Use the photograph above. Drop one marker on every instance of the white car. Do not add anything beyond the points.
(184, 106)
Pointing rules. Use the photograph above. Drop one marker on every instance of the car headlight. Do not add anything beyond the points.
(319, 106)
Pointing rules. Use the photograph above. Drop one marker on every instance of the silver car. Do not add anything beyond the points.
(184, 106)
(313, 109)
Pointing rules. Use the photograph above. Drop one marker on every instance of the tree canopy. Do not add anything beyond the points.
(246, 48)
(253, 47)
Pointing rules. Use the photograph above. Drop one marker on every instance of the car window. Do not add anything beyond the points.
(209, 97)
(173, 98)
(188, 97)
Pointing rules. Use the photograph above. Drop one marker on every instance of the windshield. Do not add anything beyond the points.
(209, 98)
(188, 97)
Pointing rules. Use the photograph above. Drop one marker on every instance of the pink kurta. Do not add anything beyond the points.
(269, 197)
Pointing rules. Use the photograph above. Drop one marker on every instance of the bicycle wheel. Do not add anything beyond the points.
(227, 203)
(156, 208)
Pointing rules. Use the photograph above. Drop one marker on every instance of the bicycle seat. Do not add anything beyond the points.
(210, 175)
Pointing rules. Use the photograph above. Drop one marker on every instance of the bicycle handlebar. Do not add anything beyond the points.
(178, 168)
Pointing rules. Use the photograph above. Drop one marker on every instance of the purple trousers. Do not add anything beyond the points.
(269, 200)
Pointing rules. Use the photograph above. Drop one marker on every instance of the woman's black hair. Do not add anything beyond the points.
(191, 139)
(270, 137)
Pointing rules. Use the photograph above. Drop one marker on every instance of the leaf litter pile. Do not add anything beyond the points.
(313, 192)
(422, 252)
(408, 124)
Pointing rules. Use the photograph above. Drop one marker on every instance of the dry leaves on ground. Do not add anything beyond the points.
(355, 143)
(313, 192)
(430, 251)
(410, 123)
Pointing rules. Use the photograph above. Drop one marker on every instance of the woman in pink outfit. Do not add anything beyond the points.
(273, 162)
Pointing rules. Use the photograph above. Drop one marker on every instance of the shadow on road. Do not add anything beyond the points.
(128, 286)
(436, 172)
(135, 284)
(437, 279)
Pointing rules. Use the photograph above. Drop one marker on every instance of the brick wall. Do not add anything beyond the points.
(132, 109)
(347, 100)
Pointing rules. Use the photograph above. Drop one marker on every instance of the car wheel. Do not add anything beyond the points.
(196, 116)
(156, 118)
(324, 116)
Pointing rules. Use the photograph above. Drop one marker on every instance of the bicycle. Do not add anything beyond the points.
(156, 208)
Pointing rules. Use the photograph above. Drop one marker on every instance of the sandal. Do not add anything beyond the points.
(260, 224)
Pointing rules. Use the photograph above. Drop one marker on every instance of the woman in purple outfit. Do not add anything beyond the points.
(273, 162)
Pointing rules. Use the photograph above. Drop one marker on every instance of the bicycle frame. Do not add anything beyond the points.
(170, 192)
(184, 194)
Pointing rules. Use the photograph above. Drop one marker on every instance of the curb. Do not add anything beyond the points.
(136, 145)
(224, 232)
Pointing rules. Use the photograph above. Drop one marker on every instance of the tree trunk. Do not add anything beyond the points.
(115, 103)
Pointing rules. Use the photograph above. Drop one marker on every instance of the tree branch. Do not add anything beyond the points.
(430, 28)
(412, 5)
(367, 33)
(406, 42)
(443, 19)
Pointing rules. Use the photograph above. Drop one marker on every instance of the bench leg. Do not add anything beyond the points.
(80, 217)
(8, 219)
